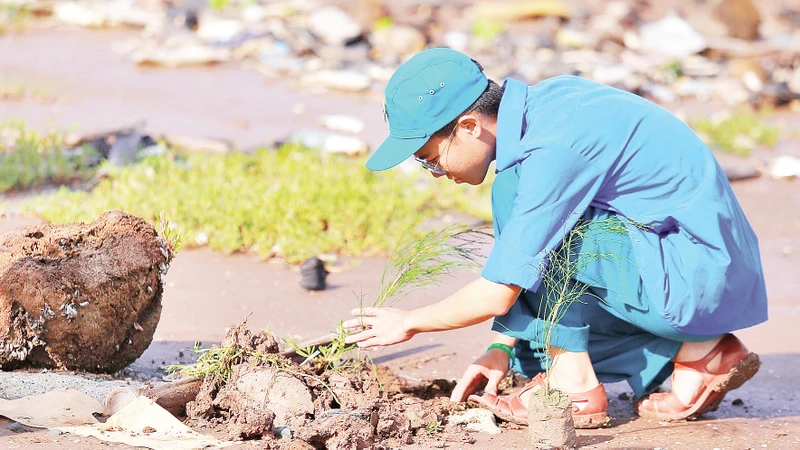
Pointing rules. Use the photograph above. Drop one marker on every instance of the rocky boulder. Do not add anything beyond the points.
(80, 296)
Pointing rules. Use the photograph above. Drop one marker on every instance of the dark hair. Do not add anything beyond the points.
(488, 104)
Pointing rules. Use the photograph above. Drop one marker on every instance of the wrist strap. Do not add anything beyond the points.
(504, 348)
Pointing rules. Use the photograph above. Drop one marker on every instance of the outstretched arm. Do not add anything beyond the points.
(474, 303)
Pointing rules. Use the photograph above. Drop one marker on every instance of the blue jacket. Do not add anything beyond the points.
(576, 143)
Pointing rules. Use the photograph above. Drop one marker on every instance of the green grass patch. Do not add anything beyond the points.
(11, 89)
(13, 17)
(29, 158)
(288, 202)
(737, 133)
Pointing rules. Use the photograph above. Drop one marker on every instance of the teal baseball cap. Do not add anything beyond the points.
(426, 93)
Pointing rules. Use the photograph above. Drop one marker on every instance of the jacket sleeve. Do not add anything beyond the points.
(557, 184)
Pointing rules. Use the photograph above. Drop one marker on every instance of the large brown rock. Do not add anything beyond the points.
(81, 296)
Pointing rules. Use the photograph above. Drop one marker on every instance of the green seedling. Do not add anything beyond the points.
(331, 356)
(434, 426)
(421, 262)
(174, 238)
(565, 266)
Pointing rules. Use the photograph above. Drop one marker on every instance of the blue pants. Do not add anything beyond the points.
(610, 315)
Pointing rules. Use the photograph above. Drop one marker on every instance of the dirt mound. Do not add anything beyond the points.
(81, 296)
(264, 395)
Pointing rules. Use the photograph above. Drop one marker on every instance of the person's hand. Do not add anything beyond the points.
(487, 372)
(378, 326)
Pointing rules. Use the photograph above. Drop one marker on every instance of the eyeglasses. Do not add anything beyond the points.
(435, 169)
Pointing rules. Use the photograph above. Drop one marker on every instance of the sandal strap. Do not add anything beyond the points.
(593, 401)
(732, 351)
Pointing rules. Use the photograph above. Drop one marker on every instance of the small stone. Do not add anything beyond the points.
(55, 432)
(698, 66)
(397, 42)
(330, 143)
(794, 82)
(476, 419)
(201, 238)
(313, 274)
(283, 433)
(661, 93)
(752, 81)
(456, 40)
(214, 29)
(179, 56)
(200, 145)
(573, 38)
(737, 402)
(736, 172)
(341, 122)
(338, 79)
(611, 75)
(785, 167)
(741, 18)
(16, 427)
(671, 37)
(334, 26)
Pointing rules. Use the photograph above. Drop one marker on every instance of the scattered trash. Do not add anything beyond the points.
(671, 37)
(330, 143)
(736, 172)
(340, 122)
(118, 399)
(476, 419)
(785, 167)
(180, 55)
(350, 48)
(163, 430)
(334, 26)
(106, 13)
(200, 145)
(53, 409)
(338, 79)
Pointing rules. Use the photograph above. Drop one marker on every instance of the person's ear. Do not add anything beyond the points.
(471, 124)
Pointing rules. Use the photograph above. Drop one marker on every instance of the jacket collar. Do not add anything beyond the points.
(509, 123)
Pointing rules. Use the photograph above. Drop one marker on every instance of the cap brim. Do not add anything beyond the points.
(393, 151)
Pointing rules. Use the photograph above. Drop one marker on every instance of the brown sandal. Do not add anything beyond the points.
(588, 408)
(736, 366)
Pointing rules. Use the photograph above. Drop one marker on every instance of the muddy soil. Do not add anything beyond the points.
(82, 296)
(550, 423)
(339, 405)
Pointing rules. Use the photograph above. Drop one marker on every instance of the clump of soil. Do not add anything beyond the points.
(550, 421)
(80, 296)
(273, 398)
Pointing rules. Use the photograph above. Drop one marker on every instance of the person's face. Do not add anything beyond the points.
(466, 154)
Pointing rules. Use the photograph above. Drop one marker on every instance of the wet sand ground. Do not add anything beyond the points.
(97, 89)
